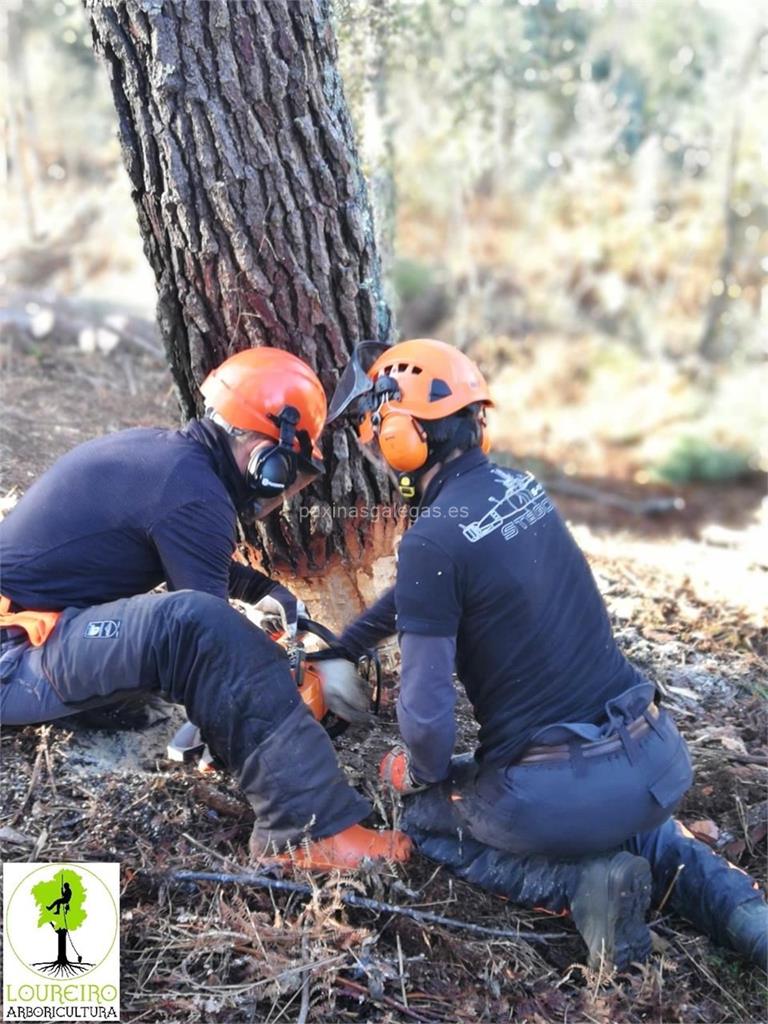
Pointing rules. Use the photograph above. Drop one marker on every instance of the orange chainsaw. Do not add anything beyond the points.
(188, 743)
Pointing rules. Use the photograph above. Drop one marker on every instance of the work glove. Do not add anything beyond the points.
(281, 604)
(395, 772)
(345, 693)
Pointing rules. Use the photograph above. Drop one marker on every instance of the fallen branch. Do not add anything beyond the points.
(759, 759)
(646, 507)
(352, 899)
(89, 325)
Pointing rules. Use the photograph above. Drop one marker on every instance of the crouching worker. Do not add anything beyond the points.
(117, 516)
(567, 802)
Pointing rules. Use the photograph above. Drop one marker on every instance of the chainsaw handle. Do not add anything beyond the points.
(274, 627)
(306, 625)
(336, 650)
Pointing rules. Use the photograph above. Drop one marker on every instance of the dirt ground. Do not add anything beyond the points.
(685, 590)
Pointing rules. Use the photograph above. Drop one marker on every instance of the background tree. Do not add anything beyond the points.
(577, 184)
(64, 916)
(255, 218)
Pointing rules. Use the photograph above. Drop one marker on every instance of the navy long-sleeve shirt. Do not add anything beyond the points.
(121, 514)
(490, 566)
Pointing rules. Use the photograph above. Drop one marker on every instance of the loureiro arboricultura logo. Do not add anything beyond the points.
(62, 925)
(61, 902)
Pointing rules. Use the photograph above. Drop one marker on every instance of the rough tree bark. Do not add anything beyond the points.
(255, 218)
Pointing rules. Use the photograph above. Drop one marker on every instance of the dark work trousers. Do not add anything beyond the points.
(234, 682)
(522, 831)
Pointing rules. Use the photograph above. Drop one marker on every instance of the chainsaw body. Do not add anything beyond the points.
(310, 686)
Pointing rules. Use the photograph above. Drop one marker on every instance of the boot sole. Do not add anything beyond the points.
(627, 901)
(610, 910)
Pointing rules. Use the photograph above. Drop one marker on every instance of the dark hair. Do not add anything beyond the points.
(463, 427)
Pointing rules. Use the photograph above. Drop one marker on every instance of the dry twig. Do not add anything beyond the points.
(354, 900)
(42, 749)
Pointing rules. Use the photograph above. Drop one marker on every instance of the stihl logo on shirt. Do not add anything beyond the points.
(106, 629)
(521, 505)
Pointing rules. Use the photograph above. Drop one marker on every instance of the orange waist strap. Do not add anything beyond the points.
(37, 625)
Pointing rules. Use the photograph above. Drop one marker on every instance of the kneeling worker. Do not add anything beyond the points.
(568, 800)
(117, 516)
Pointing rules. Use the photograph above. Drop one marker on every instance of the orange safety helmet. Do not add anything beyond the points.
(251, 389)
(416, 380)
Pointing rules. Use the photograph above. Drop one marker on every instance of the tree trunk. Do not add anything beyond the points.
(61, 935)
(255, 219)
(709, 342)
(22, 152)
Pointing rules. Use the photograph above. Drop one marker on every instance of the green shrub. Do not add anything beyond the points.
(699, 459)
(411, 279)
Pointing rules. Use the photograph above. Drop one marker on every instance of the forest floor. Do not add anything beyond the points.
(685, 590)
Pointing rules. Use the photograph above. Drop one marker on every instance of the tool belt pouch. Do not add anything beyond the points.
(669, 786)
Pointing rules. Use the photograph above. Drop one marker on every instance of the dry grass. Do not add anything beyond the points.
(232, 953)
(226, 954)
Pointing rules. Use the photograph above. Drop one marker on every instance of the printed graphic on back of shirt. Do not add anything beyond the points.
(522, 504)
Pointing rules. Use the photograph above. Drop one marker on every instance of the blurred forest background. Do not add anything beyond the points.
(574, 192)
(571, 191)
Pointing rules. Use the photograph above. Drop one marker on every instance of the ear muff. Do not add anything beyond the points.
(403, 441)
(273, 469)
(483, 436)
(485, 439)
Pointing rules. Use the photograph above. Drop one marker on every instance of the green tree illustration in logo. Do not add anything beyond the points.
(60, 902)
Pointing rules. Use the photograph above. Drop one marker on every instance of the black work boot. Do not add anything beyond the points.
(717, 898)
(608, 896)
(609, 905)
(747, 931)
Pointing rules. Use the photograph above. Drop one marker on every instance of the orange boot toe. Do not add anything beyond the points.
(346, 850)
